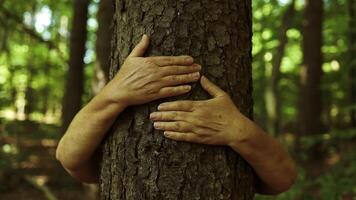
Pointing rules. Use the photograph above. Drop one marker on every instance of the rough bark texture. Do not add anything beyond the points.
(138, 162)
(72, 99)
(103, 43)
(311, 72)
(352, 59)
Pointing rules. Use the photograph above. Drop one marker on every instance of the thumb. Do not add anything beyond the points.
(141, 47)
(210, 87)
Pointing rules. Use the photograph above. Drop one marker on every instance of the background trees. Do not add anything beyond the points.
(34, 54)
(72, 99)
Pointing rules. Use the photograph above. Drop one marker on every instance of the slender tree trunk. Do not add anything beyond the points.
(31, 72)
(47, 87)
(72, 99)
(139, 163)
(13, 89)
(311, 71)
(310, 91)
(272, 88)
(29, 92)
(103, 44)
(352, 60)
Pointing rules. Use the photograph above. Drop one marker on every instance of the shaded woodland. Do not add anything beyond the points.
(55, 56)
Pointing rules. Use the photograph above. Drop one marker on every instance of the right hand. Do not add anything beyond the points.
(144, 79)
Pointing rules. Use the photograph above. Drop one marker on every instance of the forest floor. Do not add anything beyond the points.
(28, 168)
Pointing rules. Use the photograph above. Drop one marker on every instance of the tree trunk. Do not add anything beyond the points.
(310, 98)
(74, 86)
(103, 44)
(47, 88)
(29, 92)
(137, 162)
(311, 71)
(352, 60)
(272, 88)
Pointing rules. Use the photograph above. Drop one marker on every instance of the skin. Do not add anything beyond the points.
(193, 121)
(143, 79)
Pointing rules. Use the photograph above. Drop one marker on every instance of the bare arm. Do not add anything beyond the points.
(267, 156)
(193, 121)
(140, 80)
(84, 135)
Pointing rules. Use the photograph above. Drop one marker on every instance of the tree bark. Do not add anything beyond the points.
(272, 88)
(138, 162)
(311, 71)
(72, 99)
(103, 44)
(352, 60)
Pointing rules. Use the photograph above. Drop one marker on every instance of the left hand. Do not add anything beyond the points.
(216, 121)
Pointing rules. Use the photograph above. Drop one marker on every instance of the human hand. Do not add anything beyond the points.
(216, 121)
(144, 79)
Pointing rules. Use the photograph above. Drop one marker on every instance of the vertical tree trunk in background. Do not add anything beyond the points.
(139, 163)
(31, 72)
(47, 87)
(310, 90)
(352, 60)
(311, 71)
(272, 88)
(29, 91)
(74, 86)
(103, 44)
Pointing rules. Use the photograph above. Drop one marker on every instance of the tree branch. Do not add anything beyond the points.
(27, 29)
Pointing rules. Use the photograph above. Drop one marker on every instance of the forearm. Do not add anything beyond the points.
(86, 131)
(267, 157)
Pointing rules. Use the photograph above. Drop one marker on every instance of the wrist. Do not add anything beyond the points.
(106, 100)
(241, 131)
(115, 95)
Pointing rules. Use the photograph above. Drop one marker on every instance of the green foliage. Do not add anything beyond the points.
(33, 65)
(337, 180)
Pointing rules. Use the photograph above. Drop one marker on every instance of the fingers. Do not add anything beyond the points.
(177, 70)
(181, 79)
(181, 136)
(186, 106)
(210, 87)
(174, 91)
(171, 60)
(168, 116)
(141, 47)
(180, 126)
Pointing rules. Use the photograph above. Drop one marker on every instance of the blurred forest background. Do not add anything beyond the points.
(304, 98)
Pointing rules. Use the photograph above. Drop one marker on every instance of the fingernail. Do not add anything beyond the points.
(189, 59)
(153, 115)
(166, 134)
(198, 66)
(156, 125)
(187, 87)
(160, 106)
(196, 75)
